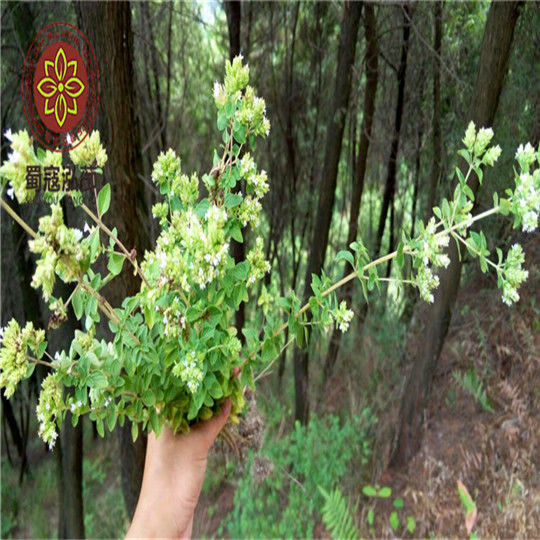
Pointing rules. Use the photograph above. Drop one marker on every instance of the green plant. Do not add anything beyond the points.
(285, 501)
(384, 492)
(175, 356)
(337, 516)
(472, 384)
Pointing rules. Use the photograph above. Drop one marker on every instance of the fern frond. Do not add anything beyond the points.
(336, 515)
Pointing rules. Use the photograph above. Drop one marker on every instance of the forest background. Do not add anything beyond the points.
(368, 104)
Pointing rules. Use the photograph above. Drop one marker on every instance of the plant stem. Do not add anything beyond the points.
(109, 233)
(17, 218)
(376, 262)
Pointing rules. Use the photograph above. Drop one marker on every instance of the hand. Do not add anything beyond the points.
(173, 478)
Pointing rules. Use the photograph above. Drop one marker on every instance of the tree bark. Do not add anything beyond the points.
(494, 56)
(370, 93)
(390, 184)
(336, 124)
(108, 26)
(233, 11)
(437, 145)
(70, 475)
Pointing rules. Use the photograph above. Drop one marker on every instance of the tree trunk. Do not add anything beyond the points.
(437, 147)
(370, 93)
(496, 48)
(233, 11)
(390, 185)
(69, 450)
(336, 124)
(108, 27)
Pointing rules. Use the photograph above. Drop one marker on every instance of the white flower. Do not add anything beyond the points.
(87, 228)
(8, 135)
(14, 157)
(530, 221)
(9, 192)
(78, 234)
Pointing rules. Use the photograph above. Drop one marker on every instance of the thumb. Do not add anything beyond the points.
(209, 429)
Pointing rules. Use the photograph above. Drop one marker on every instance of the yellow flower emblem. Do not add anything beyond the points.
(57, 87)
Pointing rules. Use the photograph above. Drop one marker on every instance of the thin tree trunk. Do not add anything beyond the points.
(390, 184)
(155, 70)
(495, 53)
(108, 26)
(233, 10)
(338, 111)
(437, 145)
(70, 474)
(168, 87)
(370, 93)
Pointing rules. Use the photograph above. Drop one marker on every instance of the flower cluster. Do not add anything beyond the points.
(525, 200)
(89, 152)
(512, 275)
(342, 316)
(250, 110)
(50, 408)
(189, 370)
(258, 265)
(429, 247)
(256, 182)
(14, 169)
(14, 363)
(61, 250)
(477, 144)
(166, 170)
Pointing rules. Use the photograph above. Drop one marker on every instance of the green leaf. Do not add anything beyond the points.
(236, 232)
(202, 208)
(240, 132)
(240, 271)
(77, 303)
(104, 199)
(345, 255)
(221, 120)
(385, 492)
(111, 418)
(370, 516)
(97, 380)
(232, 200)
(134, 431)
(213, 387)
(460, 176)
(41, 349)
(394, 520)
(99, 427)
(469, 192)
(149, 398)
(94, 243)
(369, 491)
(115, 264)
(411, 524)
(398, 503)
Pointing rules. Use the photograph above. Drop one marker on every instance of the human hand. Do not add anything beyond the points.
(173, 477)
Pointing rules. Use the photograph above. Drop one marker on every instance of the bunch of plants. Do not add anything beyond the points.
(175, 356)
